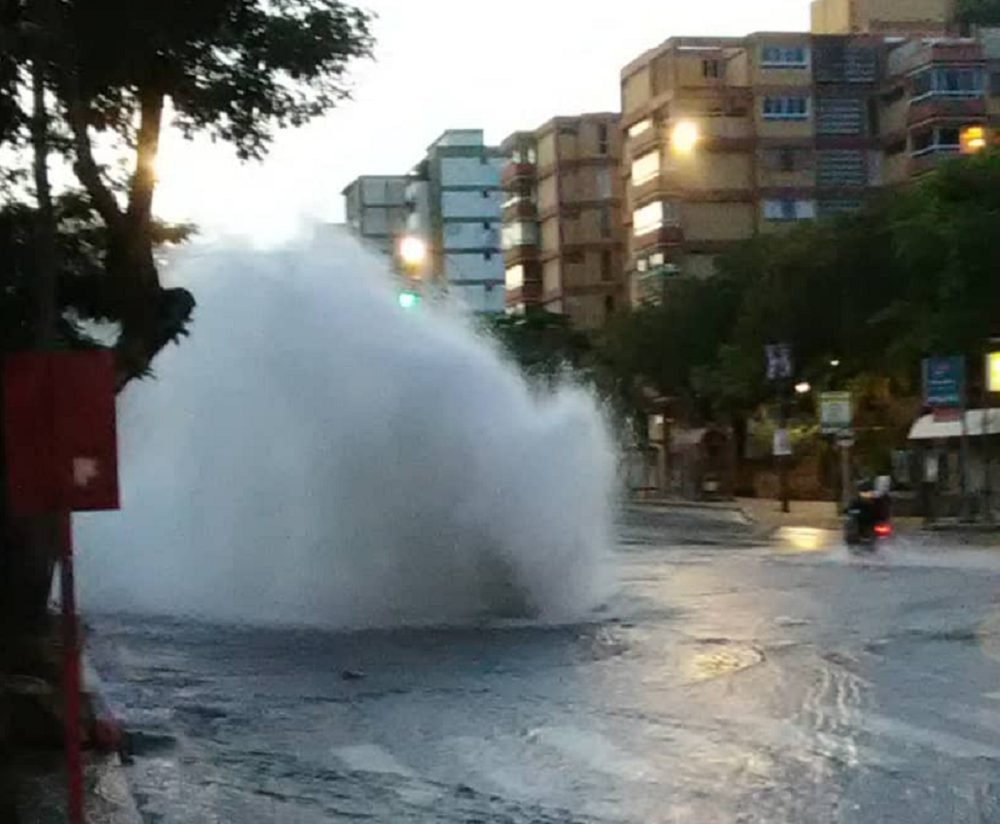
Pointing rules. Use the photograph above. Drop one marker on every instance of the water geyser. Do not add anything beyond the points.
(314, 454)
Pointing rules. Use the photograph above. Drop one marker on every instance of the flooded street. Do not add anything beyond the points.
(728, 681)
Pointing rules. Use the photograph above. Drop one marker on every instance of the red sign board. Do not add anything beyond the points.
(59, 431)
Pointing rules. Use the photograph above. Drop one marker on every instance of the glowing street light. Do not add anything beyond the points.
(684, 137)
(803, 388)
(412, 251)
(972, 139)
(408, 300)
(835, 363)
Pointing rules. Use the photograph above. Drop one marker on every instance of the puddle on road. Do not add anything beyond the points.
(720, 660)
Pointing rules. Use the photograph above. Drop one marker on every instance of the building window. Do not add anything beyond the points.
(784, 57)
(653, 216)
(995, 84)
(573, 257)
(937, 140)
(486, 193)
(514, 277)
(609, 305)
(645, 168)
(786, 108)
(949, 82)
(605, 221)
(604, 183)
(786, 159)
(519, 234)
(606, 266)
(789, 209)
(487, 256)
(602, 138)
(640, 128)
(710, 68)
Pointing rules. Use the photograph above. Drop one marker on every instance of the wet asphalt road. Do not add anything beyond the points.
(727, 682)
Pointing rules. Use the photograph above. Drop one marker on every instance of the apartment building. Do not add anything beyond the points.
(376, 209)
(562, 233)
(913, 18)
(454, 199)
(725, 138)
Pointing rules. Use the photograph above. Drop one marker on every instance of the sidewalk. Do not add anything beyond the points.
(41, 782)
(33, 783)
(767, 515)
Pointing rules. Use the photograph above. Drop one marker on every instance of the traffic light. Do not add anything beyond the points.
(408, 299)
(972, 139)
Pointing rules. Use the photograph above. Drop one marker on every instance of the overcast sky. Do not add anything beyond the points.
(444, 64)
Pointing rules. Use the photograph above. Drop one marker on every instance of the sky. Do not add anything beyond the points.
(442, 64)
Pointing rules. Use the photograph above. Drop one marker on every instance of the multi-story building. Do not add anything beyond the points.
(376, 209)
(934, 91)
(562, 234)
(455, 199)
(725, 138)
(892, 17)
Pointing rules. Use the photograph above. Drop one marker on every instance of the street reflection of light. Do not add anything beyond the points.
(801, 538)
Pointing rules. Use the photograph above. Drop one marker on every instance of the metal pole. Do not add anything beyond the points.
(71, 674)
(783, 459)
(845, 476)
(987, 451)
(964, 455)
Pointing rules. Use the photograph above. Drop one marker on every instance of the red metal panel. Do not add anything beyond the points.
(59, 431)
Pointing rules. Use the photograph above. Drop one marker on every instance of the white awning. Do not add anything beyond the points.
(927, 429)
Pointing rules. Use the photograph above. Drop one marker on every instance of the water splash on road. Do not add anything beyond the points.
(316, 455)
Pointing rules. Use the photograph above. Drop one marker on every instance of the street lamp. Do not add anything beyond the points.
(803, 388)
(684, 137)
(835, 363)
(412, 252)
(972, 139)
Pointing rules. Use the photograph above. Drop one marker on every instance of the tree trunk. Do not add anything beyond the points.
(28, 550)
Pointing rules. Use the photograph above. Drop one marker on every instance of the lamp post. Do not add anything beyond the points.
(412, 255)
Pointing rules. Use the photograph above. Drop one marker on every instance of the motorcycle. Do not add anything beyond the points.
(867, 520)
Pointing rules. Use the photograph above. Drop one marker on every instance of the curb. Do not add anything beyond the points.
(671, 503)
(110, 798)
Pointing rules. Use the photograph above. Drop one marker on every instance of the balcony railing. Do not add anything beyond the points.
(514, 172)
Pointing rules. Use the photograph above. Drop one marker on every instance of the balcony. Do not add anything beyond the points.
(514, 173)
(926, 160)
(520, 208)
(942, 107)
(651, 285)
(670, 235)
(644, 142)
(526, 254)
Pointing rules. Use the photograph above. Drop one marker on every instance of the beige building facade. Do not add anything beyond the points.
(562, 233)
(725, 138)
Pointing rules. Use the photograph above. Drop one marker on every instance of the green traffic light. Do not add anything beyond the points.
(408, 300)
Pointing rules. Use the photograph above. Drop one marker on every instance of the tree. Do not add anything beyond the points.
(978, 12)
(910, 275)
(106, 71)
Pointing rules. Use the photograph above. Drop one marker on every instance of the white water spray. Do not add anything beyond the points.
(314, 454)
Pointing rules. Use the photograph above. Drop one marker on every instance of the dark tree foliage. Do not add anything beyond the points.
(235, 70)
(912, 275)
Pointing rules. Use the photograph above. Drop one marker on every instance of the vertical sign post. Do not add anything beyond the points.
(60, 445)
(779, 372)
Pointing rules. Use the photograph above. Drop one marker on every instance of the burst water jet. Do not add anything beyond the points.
(314, 454)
